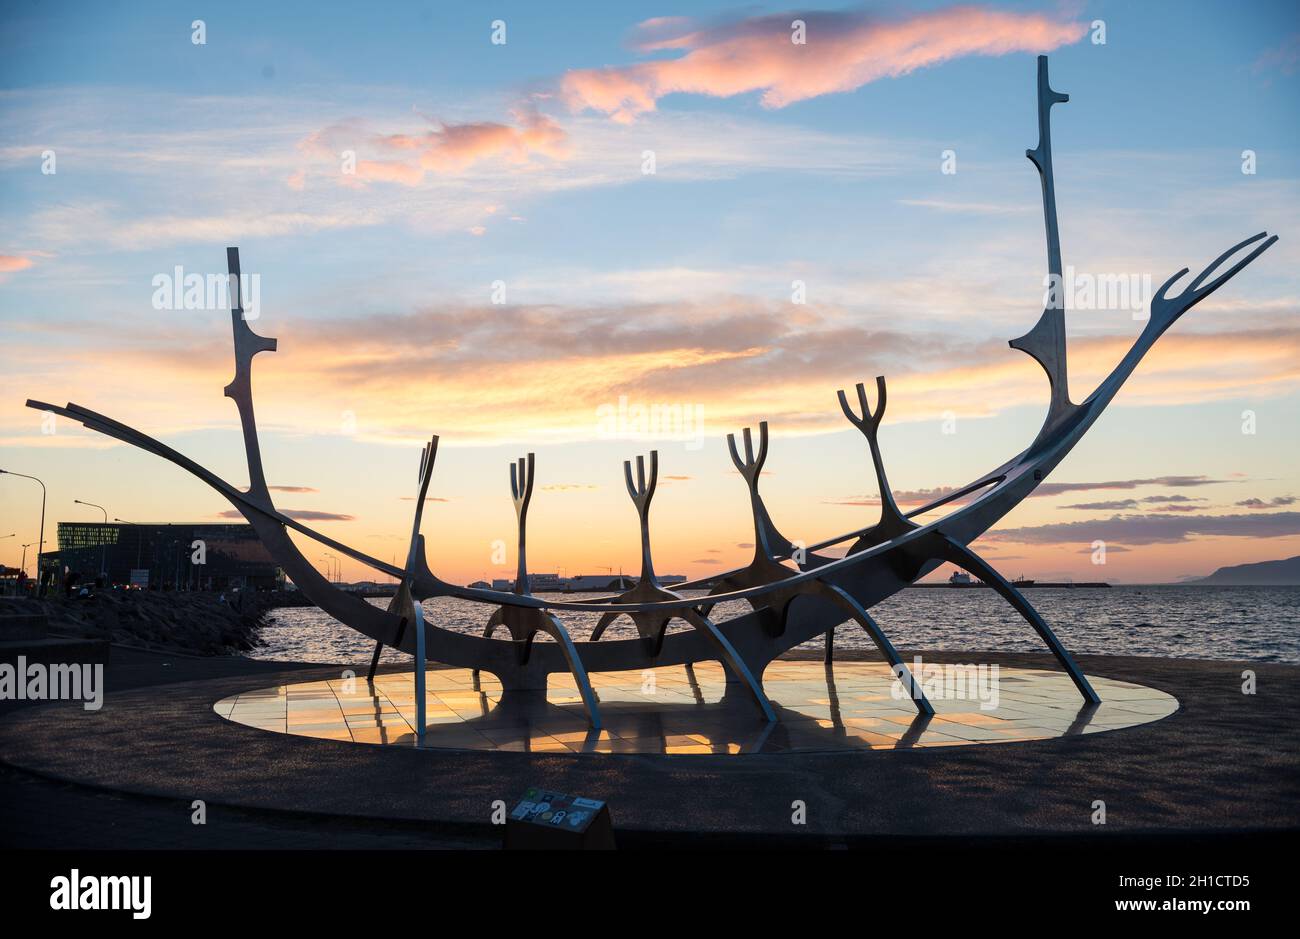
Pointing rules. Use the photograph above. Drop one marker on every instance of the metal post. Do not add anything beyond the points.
(40, 587)
(103, 545)
(420, 717)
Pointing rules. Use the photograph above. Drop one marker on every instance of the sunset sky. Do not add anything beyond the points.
(388, 172)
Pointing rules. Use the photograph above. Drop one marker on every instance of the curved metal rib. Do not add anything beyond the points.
(964, 557)
(841, 597)
(732, 661)
(551, 625)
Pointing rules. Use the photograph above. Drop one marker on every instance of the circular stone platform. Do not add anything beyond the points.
(682, 710)
(1224, 761)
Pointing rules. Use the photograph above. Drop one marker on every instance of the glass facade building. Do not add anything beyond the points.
(168, 557)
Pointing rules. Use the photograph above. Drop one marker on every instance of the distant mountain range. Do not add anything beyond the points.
(1284, 573)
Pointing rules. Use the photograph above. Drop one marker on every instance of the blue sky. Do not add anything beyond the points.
(673, 287)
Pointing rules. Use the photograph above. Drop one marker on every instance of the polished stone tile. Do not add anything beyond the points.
(681, 711)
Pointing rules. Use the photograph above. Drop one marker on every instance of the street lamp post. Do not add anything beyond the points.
(103, 545)
(40, 590)
(24, 561)
(139, 540)
(3, 537)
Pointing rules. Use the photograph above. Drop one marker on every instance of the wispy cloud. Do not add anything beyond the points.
(1162, 503)
(844, 50)
(1284, 57)
(738, 359)
(1175, 482)
(302, 515)
(970, 208)
(1113, 505)
(1151, 529)
(445, 148)
(1273, 503)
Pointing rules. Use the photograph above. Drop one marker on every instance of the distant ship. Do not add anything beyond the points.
(960, 578)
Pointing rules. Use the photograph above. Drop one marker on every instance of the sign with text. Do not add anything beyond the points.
(545, 819)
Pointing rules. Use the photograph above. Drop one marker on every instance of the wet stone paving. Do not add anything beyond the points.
(689, 709)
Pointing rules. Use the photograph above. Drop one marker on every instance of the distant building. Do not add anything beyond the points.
(599, 583)
(579, 583)
(162, 556)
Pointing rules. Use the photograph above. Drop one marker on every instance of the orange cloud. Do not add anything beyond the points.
(446, 149)
(492, 373)
(843, 51)
(10, 263)
(453, 147)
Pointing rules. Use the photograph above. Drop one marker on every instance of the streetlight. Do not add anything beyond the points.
(139, 540)
(24, 562)
(103, 544)
(40, 592)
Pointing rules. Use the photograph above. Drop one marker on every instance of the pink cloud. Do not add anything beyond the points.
(10, 263)
(1284, 58)
(450, 148)
(843, 51)
(444, 149)
(390, 171)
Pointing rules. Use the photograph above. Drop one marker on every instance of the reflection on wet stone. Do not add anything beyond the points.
(850, 705)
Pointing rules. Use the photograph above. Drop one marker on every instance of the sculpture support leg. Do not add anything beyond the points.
(964, 557)
(732, 661)
(829, 640)
(553, 626)
(379, 648)
(863, 618)
(602, 624)
(420, 715)
(495, 620)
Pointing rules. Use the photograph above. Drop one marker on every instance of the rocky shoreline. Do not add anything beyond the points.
(196, 623)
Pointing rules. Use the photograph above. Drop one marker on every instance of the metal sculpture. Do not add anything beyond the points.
(880, 560)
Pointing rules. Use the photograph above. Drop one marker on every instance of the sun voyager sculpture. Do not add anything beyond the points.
(793, 595)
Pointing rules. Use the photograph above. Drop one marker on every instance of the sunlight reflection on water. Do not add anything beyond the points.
(1254, 623)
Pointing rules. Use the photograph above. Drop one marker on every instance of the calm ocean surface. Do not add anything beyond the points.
(1259, 623)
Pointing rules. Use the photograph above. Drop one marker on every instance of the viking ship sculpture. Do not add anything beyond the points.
(794, 595)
